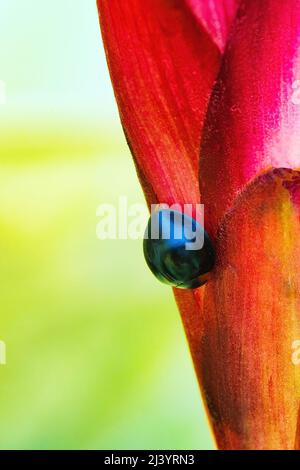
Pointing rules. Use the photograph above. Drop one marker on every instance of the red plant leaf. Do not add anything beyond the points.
(253, 121)
(163, 64)
(251, 385)
(163, 58)
(251, 327)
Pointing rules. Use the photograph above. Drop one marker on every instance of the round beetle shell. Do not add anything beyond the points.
(178, 250)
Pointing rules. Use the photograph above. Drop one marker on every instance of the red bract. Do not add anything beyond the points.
(251, 307)
(163, 59)
(216, 17)
(163, 63)
(168, 60)
(253, 122)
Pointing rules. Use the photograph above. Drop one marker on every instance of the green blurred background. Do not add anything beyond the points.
(96, 355)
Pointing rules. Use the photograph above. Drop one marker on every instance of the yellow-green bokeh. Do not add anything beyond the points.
(96, 355)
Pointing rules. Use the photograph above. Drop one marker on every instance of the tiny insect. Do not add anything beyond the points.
(178, 250)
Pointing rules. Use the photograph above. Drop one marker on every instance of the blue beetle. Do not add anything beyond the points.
(177, 249)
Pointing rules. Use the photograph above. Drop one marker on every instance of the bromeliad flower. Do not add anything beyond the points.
(190, 99)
